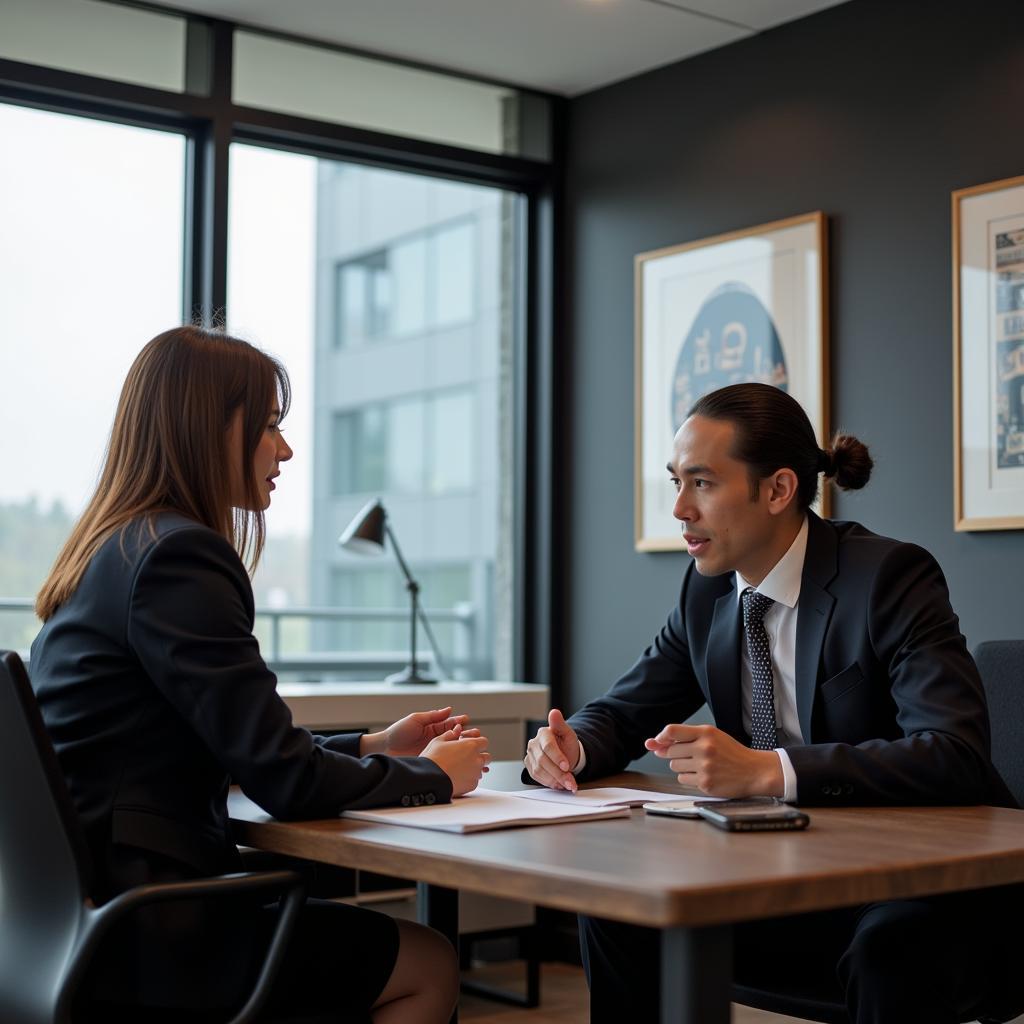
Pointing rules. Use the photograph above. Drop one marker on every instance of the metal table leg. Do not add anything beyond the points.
(696, 975)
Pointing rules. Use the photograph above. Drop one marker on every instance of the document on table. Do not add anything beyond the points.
(607, 796)
(483, 809)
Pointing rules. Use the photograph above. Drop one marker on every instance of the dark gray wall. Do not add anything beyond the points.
(872, 112)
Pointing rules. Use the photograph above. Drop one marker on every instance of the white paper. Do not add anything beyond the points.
(608, 796)
(486, 809)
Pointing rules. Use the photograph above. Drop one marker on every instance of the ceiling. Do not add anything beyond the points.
(560, 46)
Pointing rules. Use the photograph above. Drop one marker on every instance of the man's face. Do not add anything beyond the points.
(725, 530)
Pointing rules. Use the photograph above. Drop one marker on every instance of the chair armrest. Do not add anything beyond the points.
(99, 921)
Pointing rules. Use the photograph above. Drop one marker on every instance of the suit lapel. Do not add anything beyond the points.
(723, 665)
(814, 612)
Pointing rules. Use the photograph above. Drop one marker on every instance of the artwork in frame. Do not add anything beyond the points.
(988, 356)
(745, 306)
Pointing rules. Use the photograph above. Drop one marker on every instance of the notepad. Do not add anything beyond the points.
(486, 809)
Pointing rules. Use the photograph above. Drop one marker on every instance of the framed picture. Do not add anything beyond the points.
(744, 306)
(988, 356)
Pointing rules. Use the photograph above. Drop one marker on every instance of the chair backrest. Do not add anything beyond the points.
(44, 865)
(1001, 664)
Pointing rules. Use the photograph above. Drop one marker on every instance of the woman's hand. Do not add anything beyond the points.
(409, 736)
(462, 757)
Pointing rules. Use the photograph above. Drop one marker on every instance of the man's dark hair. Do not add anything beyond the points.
(773, 433)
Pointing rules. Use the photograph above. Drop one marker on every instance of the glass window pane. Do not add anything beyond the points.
(453, 275)
(371, 455)
(410, 414)
(103, 39)
(366, 92)
(406, 468)
(353, 285)
(88, 274)
(451, 442)
(408, 261)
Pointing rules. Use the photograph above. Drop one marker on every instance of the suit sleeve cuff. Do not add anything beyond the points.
(788, 775)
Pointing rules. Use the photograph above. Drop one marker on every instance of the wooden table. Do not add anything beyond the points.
(685, 877)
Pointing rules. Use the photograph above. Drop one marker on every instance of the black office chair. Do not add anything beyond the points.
(50, 928)
(1001, 664)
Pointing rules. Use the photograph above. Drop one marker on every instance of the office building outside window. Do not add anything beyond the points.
(387, 296)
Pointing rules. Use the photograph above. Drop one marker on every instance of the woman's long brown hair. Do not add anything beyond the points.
(168, 449)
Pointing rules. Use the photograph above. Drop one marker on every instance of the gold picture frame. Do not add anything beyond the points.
(742, 306)
(988, 356)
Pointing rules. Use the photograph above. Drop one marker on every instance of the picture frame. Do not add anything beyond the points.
(748, 305)
(988, 356)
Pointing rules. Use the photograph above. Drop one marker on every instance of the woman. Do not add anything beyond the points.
(154, 693)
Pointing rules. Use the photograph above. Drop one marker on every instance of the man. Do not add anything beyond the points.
(836, 673)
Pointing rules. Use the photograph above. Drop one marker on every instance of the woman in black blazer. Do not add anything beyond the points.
(154, 693)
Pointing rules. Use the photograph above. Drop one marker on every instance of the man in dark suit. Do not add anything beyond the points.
(836, 673)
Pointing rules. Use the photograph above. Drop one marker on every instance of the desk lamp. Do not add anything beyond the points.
(365, 536)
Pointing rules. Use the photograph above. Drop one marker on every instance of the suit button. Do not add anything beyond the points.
(417, 800)
(431, 798)
(848, 789)
(406, 801)
(826, 790)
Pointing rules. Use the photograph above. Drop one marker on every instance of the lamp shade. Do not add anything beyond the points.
(365, 534)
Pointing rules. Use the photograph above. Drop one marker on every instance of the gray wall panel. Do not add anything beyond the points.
(873, 112)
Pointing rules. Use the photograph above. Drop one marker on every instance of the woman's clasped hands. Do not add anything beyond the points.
(460, 752)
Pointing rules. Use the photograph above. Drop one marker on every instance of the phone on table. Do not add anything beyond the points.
(752, 814)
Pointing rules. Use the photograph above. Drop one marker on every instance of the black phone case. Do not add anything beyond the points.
(797, 820)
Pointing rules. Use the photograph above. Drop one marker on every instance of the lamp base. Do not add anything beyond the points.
(412, 676)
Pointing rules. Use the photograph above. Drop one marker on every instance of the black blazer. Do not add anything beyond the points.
(154, 693)
(891, 706)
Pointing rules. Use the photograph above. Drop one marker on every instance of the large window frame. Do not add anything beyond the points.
(210, 121)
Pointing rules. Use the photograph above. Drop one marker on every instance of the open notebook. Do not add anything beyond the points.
(485, 809)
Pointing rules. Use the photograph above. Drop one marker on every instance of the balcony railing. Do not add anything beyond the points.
(465, 660)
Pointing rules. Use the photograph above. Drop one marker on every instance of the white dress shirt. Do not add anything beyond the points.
(782, 585)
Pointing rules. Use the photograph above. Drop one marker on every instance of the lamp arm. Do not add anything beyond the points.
(418, 613)
(398, 554)
(425, 622)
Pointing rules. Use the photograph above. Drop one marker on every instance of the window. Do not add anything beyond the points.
(453, 275)
(418, 445)
(420, 283)
(91, 252)
(449, 440)
(94, 38)
(317, 81)
(391, 296)
(348, 257)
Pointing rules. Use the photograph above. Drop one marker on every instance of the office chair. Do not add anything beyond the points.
(50, 928)
(1001, 664)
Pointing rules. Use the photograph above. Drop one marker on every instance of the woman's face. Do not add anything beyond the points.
(271, 450)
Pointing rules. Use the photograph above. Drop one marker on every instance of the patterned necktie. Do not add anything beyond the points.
(762, 697)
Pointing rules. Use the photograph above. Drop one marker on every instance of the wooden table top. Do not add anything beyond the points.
(666, 871)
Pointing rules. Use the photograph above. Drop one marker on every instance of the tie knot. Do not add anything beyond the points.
(755, 606)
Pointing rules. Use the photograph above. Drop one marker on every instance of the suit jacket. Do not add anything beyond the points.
(154, 693)
(891, 707)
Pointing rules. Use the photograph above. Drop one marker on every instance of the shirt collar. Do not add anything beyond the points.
(782, 584)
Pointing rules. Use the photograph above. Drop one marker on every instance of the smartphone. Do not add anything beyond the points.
(758, 814)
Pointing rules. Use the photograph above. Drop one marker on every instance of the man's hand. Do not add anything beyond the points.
(462, 758)
(553, 753)
(716, 764)
(408, 736)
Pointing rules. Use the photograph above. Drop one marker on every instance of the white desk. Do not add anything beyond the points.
(499, 710)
